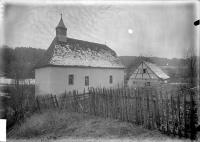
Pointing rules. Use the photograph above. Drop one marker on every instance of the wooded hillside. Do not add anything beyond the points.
(19, 62)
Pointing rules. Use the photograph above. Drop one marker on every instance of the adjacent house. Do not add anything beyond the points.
(71, 64)
(146, 74)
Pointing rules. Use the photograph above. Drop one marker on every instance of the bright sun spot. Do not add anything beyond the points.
(130, 31)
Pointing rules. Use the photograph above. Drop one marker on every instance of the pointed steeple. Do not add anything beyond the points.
(61, 24)
(61, 31)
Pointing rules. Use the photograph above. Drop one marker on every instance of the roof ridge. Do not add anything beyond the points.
(88, 41)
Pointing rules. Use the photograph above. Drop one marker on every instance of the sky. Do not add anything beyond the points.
(160, 29)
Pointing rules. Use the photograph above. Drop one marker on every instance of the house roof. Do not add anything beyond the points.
(154, 68)
(79, 53)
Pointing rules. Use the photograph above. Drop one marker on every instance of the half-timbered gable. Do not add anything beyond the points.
(146, 74)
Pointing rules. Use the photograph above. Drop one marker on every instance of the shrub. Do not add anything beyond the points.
(16, 104)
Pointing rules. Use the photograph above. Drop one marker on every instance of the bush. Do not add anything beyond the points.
(16, 104)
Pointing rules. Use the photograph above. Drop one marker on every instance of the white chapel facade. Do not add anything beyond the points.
(71, 64)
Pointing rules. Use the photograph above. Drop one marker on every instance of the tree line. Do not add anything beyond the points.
(131, 60)
(19, 62)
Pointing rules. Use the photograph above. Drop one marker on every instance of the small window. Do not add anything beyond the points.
(148, 83)
(133, 82)
(71, 79)
(86, 80)
(144, 70)
(111, 79)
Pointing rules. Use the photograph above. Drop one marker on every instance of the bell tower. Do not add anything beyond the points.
(61, 31)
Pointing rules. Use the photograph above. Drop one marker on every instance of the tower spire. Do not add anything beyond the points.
(61, 23)
(61, 30)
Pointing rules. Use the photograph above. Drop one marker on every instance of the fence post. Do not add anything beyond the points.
(57, 105)
(116, 104)
(90, 101)
(96, 102)
(162, 110)
(157, 111)
(108, 103)
(70, 101)
(144, 109)
(173, 108)
(129, 104)
(140, 107)
(120, 104)
(44, 102)
(38, 103)
(193, 115)
(178, 109)
(136, 109)
(111, 103)
(185, 120)
(105, 103)
(148, 110)
(100, 102)
(65, 100)
(152, 108)
(74, 101)
(126, 105)
(84, 100)
(167, 112)
(52, 101)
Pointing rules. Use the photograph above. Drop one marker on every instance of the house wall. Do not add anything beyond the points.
(42, 80)
(139, 79)
(142, 82)
(98, 77)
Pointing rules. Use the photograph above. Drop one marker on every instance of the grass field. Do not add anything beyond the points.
(54, 125)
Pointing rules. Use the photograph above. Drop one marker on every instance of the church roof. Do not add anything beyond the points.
(79, 53)
(61, 24)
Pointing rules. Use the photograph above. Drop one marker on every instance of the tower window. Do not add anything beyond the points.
(71, 79)
(144, 71)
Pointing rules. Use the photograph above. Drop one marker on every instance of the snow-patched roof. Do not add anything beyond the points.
(79, 53)
(156, 70)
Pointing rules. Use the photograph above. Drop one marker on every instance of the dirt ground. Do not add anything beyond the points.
(63, 126)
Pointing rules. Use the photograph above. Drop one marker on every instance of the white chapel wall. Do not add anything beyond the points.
(98, 77)
(42, 81)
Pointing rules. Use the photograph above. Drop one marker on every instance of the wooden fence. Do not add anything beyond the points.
(171, 112)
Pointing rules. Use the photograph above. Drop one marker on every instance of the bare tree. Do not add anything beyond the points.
(191, 63)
